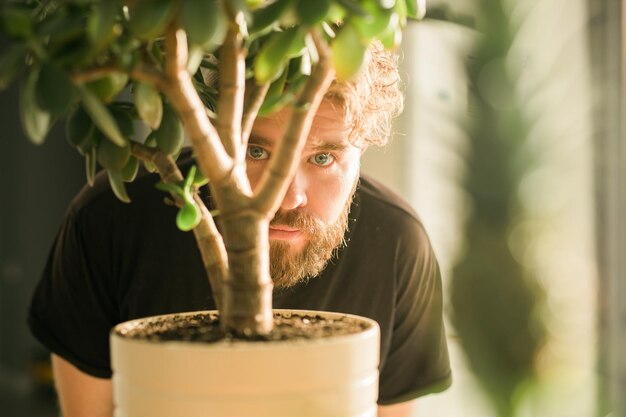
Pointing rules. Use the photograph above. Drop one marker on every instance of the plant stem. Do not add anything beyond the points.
(141, 72)
(208, 238)
(253, 101)
(232, 82)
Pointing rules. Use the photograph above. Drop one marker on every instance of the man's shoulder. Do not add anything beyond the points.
(100, 195)
(377, 198)
(381, 212)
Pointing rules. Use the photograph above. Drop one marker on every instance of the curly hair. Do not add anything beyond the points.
(370, 100)
(373, 98)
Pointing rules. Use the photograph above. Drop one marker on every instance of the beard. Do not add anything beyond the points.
(289, 266)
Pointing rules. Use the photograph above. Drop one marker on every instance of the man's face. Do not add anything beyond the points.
(312, 217)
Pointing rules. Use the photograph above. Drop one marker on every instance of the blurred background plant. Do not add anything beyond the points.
(496, 300)
(559, 65)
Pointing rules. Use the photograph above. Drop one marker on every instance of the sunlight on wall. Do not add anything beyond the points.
(424, 163)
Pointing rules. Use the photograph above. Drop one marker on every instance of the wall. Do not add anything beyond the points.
(37, 184)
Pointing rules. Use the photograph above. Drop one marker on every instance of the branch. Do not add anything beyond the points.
(214, 161)
(141, 72)
(253, 103)
(232, 79)
(209, 240)
(275, 180)
(93, 74)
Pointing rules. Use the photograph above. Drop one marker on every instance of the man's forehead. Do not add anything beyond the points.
(330, 129)
(330, 142)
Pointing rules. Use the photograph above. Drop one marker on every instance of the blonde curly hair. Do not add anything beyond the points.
(373, 98)
(370, 100)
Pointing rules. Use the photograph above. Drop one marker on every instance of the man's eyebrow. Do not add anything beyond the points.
(259, 140)
(317, 147)
(330, 146)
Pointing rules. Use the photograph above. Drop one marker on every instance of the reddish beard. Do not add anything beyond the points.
(288, 265)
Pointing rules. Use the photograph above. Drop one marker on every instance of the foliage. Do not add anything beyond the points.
(81, 54)
(101, 65)
(495, 298)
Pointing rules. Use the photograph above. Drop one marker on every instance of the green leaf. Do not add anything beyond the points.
(375, 22)
(416, 9)
(101, 116)
(150, 140)
(78, 127)
(254, 4)
(129, 172)
(170, 134)
(191, 174)
(352, 7)
(54, 90)
(148, 19)
(391, 37)
(387, 4)
(149, 104)
(149, 166)
(267, 17)
(195, 57)
(271, 104)
(204, 21)
(348, 53)
(17, 22)
(272, 57)
(296, 69)
(278, 86)
(312, 12)
(35, 121)
(239, 7)
(90, 166)
(91, 142)
(199, 179)
(61, 25)
(170, 188)
(101, 23)
(336, 13)
(113, 157)
(117, 185)
(108, 86)
(10, 62)
(188, 216)
(401, 10)
(123, 118)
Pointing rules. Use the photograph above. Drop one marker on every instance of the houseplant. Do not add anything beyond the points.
(81, 54)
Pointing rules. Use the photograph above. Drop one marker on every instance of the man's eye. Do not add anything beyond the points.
(257, 153)
(322, 159)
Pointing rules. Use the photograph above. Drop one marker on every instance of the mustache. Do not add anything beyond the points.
(298, 220)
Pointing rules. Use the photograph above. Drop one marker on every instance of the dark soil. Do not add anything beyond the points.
(205, 327)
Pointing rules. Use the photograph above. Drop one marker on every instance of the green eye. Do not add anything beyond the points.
(257, 153)
(322, 159)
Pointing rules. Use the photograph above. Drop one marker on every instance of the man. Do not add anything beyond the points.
(339, 242)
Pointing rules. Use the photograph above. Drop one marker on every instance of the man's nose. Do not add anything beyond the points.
(296, 194)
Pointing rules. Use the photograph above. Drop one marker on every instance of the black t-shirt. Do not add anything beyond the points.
(113, 262)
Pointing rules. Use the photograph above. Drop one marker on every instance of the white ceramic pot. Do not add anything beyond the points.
(328, 377)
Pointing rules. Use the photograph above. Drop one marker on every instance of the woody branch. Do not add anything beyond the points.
(230, 104)
(211, 155)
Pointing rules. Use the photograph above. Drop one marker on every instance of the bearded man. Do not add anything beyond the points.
(339, 242)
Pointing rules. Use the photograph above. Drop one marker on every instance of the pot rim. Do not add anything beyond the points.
(371, 330)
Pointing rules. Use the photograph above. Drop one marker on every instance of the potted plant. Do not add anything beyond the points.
(80, 56)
